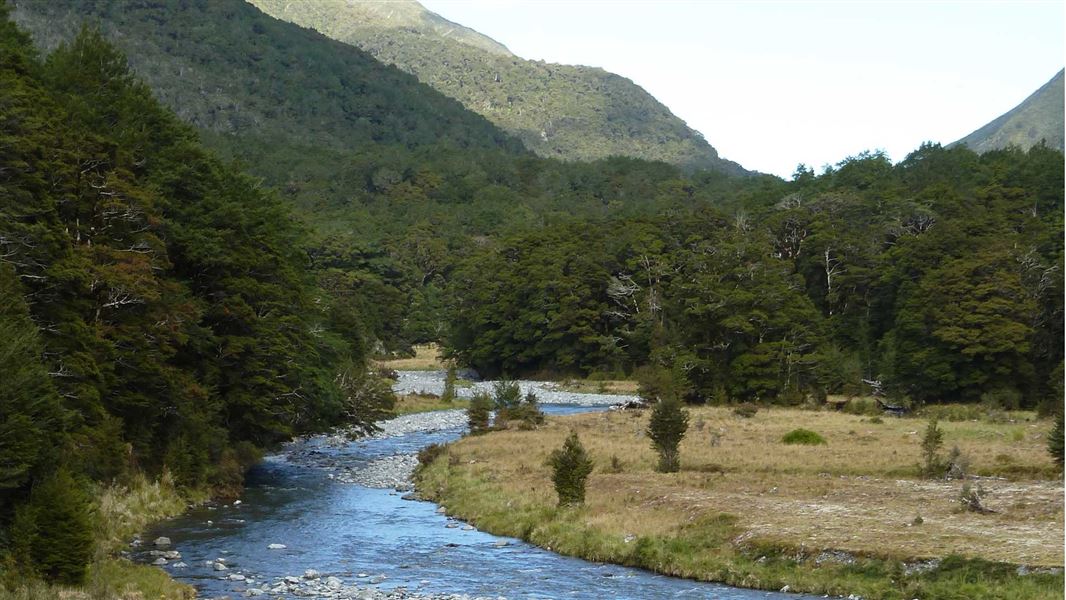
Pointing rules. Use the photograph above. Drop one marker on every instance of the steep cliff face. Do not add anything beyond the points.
(564, 111)
(1038, 118)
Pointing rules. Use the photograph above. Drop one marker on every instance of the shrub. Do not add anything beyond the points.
(477, 415)
(430, 453)
(803, 436)
(1055, 441)
(528, 413)
(448, 395)
(571, 466)
(507, 397)
(1003, 398)
(669, 421)
(932, 465)
(746, 410)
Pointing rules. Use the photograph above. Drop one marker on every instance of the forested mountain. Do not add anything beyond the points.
(558, 111)
(940, 276)
(1039, 118)
(157, 313)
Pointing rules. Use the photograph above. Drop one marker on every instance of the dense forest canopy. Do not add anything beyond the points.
(941, 277)
(158, 312)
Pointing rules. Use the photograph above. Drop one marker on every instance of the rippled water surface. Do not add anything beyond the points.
(360, 534)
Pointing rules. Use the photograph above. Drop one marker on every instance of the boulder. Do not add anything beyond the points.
(162, 541)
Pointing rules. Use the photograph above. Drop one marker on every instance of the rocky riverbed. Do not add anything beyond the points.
(432, 382)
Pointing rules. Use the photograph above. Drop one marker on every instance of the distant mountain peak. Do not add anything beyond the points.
(1040, 117)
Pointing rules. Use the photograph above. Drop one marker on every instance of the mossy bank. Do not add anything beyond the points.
(847, 517)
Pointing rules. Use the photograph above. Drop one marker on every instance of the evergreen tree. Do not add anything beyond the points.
(667, 427)
(478, 413)
(1055, 440)
(571, 466)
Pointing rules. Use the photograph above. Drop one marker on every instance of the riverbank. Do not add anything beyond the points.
(847, 517)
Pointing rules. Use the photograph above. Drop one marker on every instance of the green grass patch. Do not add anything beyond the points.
(803, 436)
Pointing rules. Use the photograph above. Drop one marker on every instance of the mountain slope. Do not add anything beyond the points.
(564, 111)
(227, 68)
(1038, 117)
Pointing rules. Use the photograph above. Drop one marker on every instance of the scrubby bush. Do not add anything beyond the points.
(957, 465)
(970, 499)
(932, 465)
(528, 413)
(430, 453)
(667, 427)
(803, 436)
(571, 466)
(746, 410)
(477, 415)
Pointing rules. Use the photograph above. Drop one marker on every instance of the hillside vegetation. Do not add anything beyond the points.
(1039, 118)
(558, 111)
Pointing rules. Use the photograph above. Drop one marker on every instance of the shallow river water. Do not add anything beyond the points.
(374, 537)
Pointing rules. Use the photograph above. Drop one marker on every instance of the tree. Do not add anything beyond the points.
(1055, 440)
(448, 395)
(477, 415)
(669, 421)
(62, 535)
(932, 440)
(571, 466)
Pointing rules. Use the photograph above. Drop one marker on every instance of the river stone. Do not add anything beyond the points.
(311, 574)
(159, 561)
(236, 577)
(377, 579)
(253, 592)
(276, 546)
(162, 541)
(501, 543)
(333, 583)
(220, 567)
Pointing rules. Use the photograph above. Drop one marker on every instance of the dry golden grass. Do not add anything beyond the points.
(858, 493)
(591, 386)
(427, 358)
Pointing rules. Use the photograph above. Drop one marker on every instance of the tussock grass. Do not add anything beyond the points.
(757, 513)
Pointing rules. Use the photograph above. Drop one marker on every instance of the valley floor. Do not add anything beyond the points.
(850, 516)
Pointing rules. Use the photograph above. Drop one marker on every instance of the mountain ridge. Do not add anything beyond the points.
(559, 111)
(1037, 118)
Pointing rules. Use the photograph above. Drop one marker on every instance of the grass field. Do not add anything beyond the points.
(417, 403)
(749, 510)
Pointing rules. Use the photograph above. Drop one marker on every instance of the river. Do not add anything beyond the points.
(366, 542)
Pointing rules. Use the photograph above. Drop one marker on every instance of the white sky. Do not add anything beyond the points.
(775, 84)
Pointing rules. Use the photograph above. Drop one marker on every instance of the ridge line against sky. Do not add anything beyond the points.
(774, 84)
